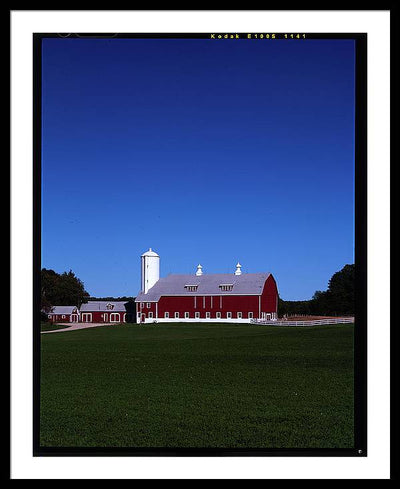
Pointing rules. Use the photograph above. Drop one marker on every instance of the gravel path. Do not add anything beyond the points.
(76, 326)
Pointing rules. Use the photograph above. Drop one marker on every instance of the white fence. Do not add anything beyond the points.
(316, 322)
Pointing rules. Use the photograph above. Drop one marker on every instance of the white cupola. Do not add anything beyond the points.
(238, 269)
(150, 270)
(199, 270)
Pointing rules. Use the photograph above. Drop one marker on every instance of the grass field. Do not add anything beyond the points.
(198, 385)
(52, 327)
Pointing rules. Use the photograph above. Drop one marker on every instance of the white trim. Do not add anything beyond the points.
(186, 315)
(176, 315)
(86, 314)
(201, 320)
(114, 314)
(197, 315)
(228, 315)
(208, 315)
(166, 315)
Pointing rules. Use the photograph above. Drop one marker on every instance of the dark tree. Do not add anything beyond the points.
(64, 289)
(341, 291)
(338, 300)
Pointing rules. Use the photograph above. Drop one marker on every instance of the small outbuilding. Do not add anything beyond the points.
(63, 314)
(103, 312)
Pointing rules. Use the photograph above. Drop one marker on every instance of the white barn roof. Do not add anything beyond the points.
(63, 310)
(209, 284)
(113, 306)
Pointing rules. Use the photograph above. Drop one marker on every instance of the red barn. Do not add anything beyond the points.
(63, 314)
(232, 297)
(103, 312)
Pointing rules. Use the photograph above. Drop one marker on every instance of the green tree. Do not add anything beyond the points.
(64, 289)
(341, 291)
(338, 300)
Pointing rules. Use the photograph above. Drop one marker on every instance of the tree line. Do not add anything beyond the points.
(337, 300)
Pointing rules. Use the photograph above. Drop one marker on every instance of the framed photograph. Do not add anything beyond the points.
(200, 244)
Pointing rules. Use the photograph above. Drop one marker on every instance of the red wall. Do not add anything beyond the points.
(233, 304)
(269, 296)
(97, 316)
(58, 318)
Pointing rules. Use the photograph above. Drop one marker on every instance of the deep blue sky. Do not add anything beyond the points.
(207, 151)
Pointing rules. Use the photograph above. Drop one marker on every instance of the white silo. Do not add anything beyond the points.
(150, 270)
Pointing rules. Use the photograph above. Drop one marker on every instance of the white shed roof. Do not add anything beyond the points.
(106, 306)
(63, 310)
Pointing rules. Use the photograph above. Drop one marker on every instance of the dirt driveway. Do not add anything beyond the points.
(76, 326)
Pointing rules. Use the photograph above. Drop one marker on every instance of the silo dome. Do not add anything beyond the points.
(150, 252)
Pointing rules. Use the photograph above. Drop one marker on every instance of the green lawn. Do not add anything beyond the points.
(198, 385)
(52, 327)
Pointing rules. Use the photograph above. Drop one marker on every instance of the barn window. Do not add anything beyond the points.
(226, 287)
(229, 315)
(250, 315)
(148, 305)
(239, 315)
(177, 315)
(63, 316)
(191, 288)
(186, 315)
(218, 315)
(208, 315)
(49, 316)
(150, 315)
(110, 306)
(166, 315)
(197, 315)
